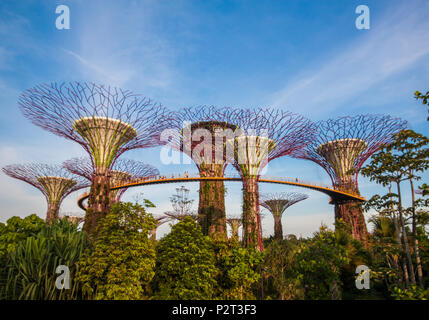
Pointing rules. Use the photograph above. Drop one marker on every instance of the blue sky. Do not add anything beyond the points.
(304, 56)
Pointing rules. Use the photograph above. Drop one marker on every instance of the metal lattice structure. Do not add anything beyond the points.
(106, 121)
(341, 148)
(201, 133)
(53, 181)
(264, 135)
(122, 171)
(277, 203)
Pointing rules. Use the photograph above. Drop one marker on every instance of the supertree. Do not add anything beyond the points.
(201, 133)
(123, 170)
(106, 121)
(277, 203)
(235, 224)
(52, 180)
(263, 135)
(341, 147)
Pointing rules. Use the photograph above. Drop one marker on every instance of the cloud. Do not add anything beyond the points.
(108, 50)
(394, 44)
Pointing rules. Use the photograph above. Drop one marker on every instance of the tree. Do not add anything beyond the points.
(239, 270)
(122, 260)
(17, 229)
(185, 264)
(424, 97)
(281, 269)
(401, 161)
(319, 263)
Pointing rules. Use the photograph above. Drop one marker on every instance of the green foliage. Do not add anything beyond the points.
(121, 262)
(185, 266)
(281, 272)
(319, 263)
(412, 293)
(239, 270)
(17, 229)
(32, 264)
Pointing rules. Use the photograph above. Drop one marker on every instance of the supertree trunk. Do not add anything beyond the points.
(53, 211)
(252, 233)
(351, 213)
(211, 207)
(278, 228)
(98, 201)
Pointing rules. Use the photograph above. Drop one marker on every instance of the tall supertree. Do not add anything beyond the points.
(53, 181)
(201, 133)
(341, 148)
(122, 171)
(263, 135)
(235, 224)
(106, 121)
(277, 203)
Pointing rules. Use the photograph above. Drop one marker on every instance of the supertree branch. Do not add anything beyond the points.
(106, 121)
(53, 181)
(201, 133)
(277, 203)
(122, 171)
(263, 135)
(341, 147)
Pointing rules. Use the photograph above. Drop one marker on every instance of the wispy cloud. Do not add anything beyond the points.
(393, 45)
(121, 53)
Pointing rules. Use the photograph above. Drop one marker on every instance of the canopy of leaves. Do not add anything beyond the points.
(185, 266)
(122, 260)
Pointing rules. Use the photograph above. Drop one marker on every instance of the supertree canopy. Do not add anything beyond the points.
(263, 135)
(106, 121)
(341, 147)
(122, 171)
(201, 133)
(277, 203)
(52, 180)
(235, 224)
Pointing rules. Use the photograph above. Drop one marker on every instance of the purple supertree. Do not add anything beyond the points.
(201, 133)
(277, 203)
(52, 180)
(263, 135)
(122, 171)
(106, 121)
(341, 147)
